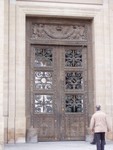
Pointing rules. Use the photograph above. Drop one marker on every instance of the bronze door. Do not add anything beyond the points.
(59, 94)
(59, 77)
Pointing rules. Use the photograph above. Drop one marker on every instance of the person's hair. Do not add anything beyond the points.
(98, 107)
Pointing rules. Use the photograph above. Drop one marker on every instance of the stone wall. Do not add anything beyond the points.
(14, 50)
(1, 72)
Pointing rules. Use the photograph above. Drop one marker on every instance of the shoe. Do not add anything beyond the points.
(93, 142)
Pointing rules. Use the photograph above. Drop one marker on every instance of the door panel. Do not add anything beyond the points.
(73, 92)
(43, 91)
(59, 95)
(73, 128)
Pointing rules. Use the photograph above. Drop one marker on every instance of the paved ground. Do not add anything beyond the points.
(70, 145)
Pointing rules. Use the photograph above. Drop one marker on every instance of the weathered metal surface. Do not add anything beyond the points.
(58, 81)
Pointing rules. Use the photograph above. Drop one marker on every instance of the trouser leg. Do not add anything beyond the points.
(98, 141)
(102, 140)
(94, 139)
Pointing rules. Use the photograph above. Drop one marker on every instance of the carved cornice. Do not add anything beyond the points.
(94, 2)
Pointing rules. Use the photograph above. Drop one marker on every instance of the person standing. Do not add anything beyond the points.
(99, 126)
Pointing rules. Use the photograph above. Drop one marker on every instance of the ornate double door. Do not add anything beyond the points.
(59, 94)
(58, 78)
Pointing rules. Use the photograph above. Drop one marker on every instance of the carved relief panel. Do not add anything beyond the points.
(66, 32)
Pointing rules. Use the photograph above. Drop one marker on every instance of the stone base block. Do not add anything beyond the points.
(32, 135)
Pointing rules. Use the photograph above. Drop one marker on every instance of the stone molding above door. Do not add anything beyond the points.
(92, 2)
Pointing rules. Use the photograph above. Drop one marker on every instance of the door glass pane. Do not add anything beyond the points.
(43, 57)
(74, 80)
(73, 57)
(43, 80)
(43, 103)
(74, 103)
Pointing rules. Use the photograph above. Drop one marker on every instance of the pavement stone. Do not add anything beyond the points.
(65, 145)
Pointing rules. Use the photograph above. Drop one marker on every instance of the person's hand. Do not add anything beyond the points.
(92, 130)
(108, 130)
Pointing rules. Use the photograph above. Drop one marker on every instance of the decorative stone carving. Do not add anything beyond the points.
(66, 32)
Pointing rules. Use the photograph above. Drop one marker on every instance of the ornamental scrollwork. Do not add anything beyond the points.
(74, 80)
(43, 57)
(73, 57)
(43, 80)
(43, 103)
(74, 103)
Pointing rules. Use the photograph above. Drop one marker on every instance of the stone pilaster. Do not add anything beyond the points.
(12, 86)
(20, 129)
(20, 120)
(6, 65)
(1, 73)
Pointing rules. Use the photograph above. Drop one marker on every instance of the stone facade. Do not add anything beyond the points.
(12, 56)
(1, 72)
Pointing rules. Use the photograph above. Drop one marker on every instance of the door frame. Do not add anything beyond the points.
(61, 43)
